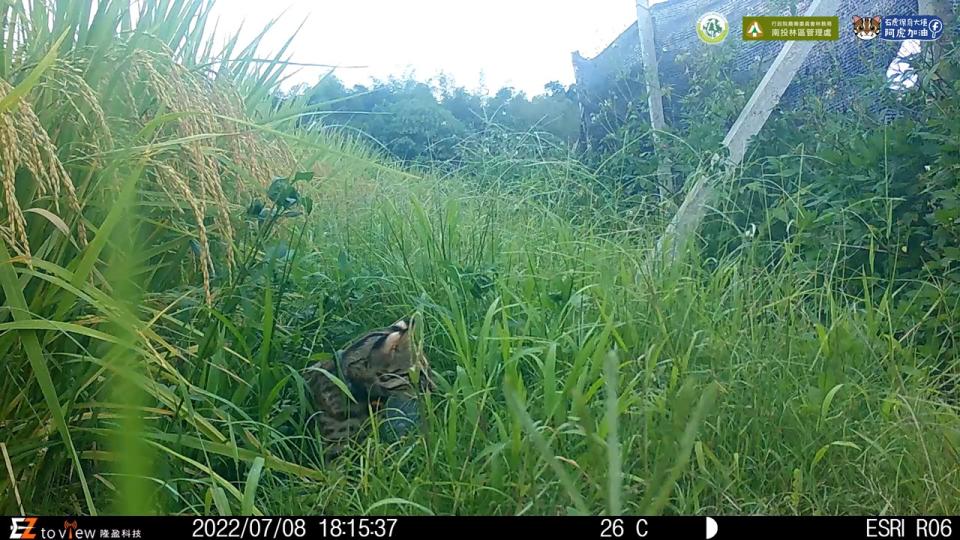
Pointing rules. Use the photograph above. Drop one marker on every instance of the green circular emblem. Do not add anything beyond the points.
(712, 27)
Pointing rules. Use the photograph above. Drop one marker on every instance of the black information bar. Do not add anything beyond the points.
(622, 527)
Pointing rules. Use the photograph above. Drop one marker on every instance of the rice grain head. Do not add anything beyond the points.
(26, 146)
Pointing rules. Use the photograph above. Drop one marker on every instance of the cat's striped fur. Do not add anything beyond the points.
(375, 367)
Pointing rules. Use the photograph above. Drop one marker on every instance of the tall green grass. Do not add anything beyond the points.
(153, 329)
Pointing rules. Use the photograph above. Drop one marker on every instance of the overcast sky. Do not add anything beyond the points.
(496, 43)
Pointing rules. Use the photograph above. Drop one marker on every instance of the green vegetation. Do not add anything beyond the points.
(177, 244)
(444, 126)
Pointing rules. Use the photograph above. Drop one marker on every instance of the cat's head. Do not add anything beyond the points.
(866, 28)
(389, 355)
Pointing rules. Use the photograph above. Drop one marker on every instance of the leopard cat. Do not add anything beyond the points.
(866, 28)
(378, 370)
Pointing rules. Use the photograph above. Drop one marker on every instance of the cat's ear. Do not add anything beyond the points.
(405, 324)
(856, 19)
(877, 20)
(399, 335)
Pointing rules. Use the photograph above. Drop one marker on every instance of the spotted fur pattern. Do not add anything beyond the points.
(375, 367)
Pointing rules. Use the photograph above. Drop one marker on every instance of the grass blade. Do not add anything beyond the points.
(614, 460)
(250, 487)
(31, 345)
(517, 408)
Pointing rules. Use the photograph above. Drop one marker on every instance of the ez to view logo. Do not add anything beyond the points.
(21, 528)
(26, 528)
